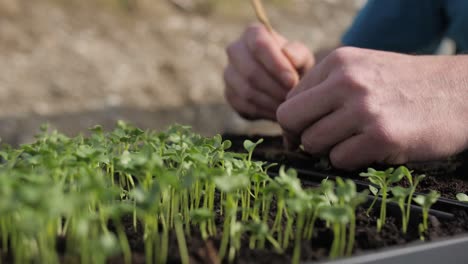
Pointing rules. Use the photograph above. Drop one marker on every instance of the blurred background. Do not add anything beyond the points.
(78, 63)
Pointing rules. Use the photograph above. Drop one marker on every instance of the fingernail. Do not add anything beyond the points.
(288, 79)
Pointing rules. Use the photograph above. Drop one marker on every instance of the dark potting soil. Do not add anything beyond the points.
(448, 177)
(367, 240)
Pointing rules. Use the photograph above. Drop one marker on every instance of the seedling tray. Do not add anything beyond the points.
(448, 251)
(177, 197)
(312, 170)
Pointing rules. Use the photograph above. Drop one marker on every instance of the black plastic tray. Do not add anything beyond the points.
(448, 251)
(451, 250)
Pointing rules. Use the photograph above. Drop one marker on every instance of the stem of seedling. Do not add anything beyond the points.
(229, 220)
(335, 249)
(298, 239)
(376, 197)
(383, 209)
(351, 237)
(288, 231)
(183, 251)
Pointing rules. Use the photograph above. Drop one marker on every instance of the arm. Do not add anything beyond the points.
(399, 25)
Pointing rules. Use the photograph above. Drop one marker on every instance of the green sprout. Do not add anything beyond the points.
(426, 201)
(384, 180)
(414, 182)
(462, 197)
(343, 200)
(89, 191)
(339, 216)
(400, 196)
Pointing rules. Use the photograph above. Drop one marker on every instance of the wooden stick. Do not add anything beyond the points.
(263, 18)
(261, 15)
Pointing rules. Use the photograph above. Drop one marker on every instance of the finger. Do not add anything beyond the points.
(290, 141)
(247, 110)
(247, 93)
(329, 131)
(300, 112)
(354, 153)
(362, 150)
(299, 55)
(314, 76)
(255, 73)
(268, 52)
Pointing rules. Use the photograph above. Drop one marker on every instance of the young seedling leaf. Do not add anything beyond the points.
(462, 197)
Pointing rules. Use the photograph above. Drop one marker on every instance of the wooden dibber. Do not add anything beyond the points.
(263, 18)
(261, 15)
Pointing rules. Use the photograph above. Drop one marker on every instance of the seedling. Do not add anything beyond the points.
(347, 195)
(426, 201)
(462, 197)
(384, 180)
(413, 185)
(168, 183)
(343, 202)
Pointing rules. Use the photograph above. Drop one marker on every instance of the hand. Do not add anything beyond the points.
(368, 106)
(262, 70)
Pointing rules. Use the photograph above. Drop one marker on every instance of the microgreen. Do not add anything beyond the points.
(400, 196)
(426, 201)
(462, 197)
(413, 182)
(168, 183)
(384, 180)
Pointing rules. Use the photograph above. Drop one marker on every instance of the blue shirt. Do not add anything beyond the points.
(409, 26)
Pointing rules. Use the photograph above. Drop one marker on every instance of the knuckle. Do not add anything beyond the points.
(343, 55)
(351, 82)
(363, 110)
(248, 95)
(253, 76)
(348, 77)
(261, 43)
(383, 136)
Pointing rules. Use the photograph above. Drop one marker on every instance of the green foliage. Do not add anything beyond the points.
(462, 197)
(384, 180)
(167, 183)
(426, 201)
(404, 196)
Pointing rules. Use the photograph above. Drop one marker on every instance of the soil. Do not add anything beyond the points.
(452, 221)
(448, 177)
(367, 240)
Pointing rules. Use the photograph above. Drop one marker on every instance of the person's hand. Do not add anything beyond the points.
(364, 106)
(262, 70)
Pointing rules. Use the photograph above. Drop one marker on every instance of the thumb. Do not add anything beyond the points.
(299, 55)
